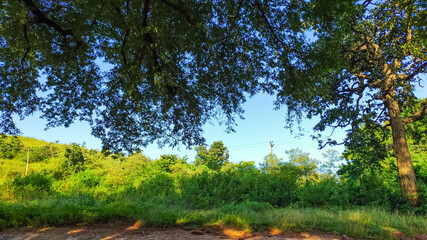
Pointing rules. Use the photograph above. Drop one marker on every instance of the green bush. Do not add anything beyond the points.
(325, 193)
(212, 189)
(87, 179)
(10, 147)
(41, 154)
(75, 159)
(159, 187)
(32, 186)
(165, 162)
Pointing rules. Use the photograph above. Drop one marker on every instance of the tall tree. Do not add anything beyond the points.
(138, 71)
(359, 68)
(214, 158)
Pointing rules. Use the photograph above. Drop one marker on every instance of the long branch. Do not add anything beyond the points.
(270, 27)
(420, 115)
(180, 9)
(147, 35)
(27, 50)
(41, 18)
(416, 71)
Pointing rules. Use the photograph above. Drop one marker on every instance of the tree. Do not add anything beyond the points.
(214, 158)
(333, 159)
(359, 70)
(10, 147)
(302, 161)
(137, 71)
(271, 163)
(74, 158)
(369, 150)
(165, 162)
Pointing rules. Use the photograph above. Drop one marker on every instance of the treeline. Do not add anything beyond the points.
(57, 171)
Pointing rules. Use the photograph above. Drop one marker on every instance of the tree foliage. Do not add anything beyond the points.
(214, 158)
(165, 162)
(359, 69)
(141, 71)
(271, 163)
(171, 181)
(370, 157)
(137, 71)
(10, 147)
(74, 158)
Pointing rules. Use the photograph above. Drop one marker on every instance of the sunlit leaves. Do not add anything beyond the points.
(138, 71)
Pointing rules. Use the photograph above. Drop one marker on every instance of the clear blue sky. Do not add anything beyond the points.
(250, 142)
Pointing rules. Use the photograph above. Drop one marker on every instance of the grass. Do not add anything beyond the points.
(113, 189)
(366, 223)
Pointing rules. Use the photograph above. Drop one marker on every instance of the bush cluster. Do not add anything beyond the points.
(74, 171)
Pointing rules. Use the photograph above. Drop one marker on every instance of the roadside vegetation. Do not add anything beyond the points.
(70, 184)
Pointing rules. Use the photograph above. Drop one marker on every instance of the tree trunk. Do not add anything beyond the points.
(408, 181)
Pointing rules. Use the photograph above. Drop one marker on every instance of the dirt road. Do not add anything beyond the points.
(122, 231)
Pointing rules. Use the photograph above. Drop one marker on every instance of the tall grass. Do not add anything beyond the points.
(61, 190)
(367, 223)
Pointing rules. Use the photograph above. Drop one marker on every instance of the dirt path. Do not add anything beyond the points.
(122, 231)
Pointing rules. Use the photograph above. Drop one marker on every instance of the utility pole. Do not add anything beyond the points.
(271, 147)
(28, 160)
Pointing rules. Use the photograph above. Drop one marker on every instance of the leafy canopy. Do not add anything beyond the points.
(214, 158)
(357, 58)
(138, 71)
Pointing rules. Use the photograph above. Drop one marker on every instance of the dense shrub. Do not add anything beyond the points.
(40, 154)
(75, 159)
(159, 187)
(171, 180)
(32, 186)
(211, 188)
(165, 162)
(10, 147)
(325, 193)
(87, 179)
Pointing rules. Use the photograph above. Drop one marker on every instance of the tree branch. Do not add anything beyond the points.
(145, 13)
(416, 72)
(238, 9)
(180, 9)
(27, 50)
(122, 49)
(420, 115)
(40, 17)
(270, 27)
(147, 35)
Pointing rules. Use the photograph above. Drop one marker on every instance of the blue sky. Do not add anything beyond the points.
(250, 141)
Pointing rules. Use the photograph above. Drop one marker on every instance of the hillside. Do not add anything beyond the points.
(69, 184)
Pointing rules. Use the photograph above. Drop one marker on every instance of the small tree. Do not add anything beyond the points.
(271, 163)
(75, 159)
(214, 158)
(330, 166)
(10, 147)
(165, 162)
(306, 165)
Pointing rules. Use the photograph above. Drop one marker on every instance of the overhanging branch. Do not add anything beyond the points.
(270, 27)
(180, 9)
(420, 115)
(40, 17)
(417, 71)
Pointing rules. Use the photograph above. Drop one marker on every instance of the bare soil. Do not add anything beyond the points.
(124, 231)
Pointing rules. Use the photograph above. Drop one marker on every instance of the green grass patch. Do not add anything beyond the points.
(251, 216)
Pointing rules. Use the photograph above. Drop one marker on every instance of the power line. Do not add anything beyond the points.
(248, 144)
(248, 148)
